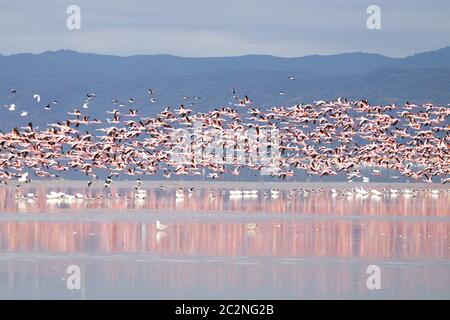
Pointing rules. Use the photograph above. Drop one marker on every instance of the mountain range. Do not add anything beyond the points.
(67, 76)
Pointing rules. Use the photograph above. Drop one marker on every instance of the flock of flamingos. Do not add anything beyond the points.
(322, 138)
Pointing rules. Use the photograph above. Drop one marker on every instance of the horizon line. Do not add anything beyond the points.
(217, 57)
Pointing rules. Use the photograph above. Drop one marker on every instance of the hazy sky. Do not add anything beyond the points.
(225, 28)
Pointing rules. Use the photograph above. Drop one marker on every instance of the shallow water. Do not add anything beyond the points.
(312, 246)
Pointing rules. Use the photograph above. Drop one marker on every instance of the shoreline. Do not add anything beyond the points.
(232, 184)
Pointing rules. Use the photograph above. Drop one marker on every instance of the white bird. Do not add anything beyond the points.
(23, 114)
(161, 226)
(24, 178)
(320, 102)
(376, 192)
(31, 195)
(140, 196)
(362, 191)
(251, 226)
(179, 193)
(56, 195)
(11, 107)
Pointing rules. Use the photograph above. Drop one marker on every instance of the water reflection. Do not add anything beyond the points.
(280, 238)
(313, 203)
(132, 277)
(314, 246)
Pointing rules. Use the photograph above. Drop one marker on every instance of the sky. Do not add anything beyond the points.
(205, 28)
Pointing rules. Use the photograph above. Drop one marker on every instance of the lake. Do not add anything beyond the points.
(311, 243)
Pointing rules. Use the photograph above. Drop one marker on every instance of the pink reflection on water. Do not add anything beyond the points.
(420, 229)
(282, 238)
(319, 203)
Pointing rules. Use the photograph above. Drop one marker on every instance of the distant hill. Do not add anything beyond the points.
(67, 76)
